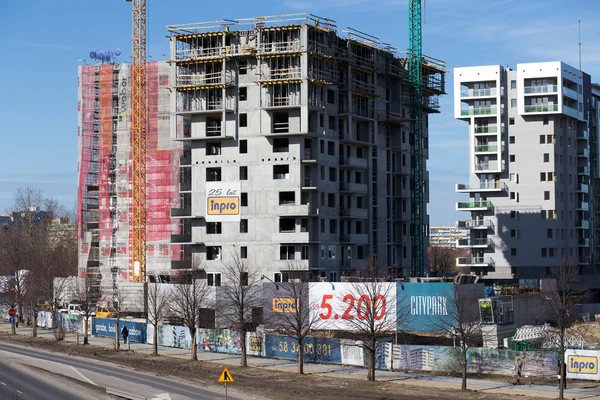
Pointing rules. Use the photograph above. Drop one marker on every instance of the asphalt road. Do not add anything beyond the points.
(18, 384)
(104, 375)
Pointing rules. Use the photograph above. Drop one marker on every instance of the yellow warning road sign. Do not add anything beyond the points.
(225, 376)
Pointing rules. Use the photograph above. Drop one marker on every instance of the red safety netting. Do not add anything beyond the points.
(106, 141)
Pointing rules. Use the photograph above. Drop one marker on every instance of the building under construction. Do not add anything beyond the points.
(104, 191)
(306, 128)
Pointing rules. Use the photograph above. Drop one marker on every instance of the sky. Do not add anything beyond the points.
(43, 41)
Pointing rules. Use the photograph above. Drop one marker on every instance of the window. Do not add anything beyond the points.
(514, 215)
(281, 171)
(511, 121)
(243, 226)
(332, 226)
(279, 277)
(213, 228)
(543, 214)
(213, 174)
(322, 251)
(549, 233)
(513, 252)
(281, 145)
(360, 152)
(333, 276)
(511, 139)
(243, 67)
(244, 200)
(542, 139)
(542, 176)
(244, 254)
(243, 173)
(213, 148)
(513, 84)
(512, 158)
(304, 252)
(514, 196)
(331, 252)
(243, 93)
(286, 198)
(243, 146)
(287, 252)
(213, 278)
(331, 200)
(332, 175)
(322, 146)
(514, 233)
(551, 252)
(321, 120)
(331, 148)
(243, 120)
(550, 176)
(322, 223)
(545, 120)
(359, 202)
(550, 139)
(287, 225)
(547, 195)
(514, 177)
(330, 96)
(332, 123)
(513, 103)
(546, 157)
(213, 253)
(544, 252)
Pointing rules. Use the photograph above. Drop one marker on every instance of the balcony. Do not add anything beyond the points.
(181, 212)
(353, 187)
(180, 239)
(584, 135)
(582, 188)
(354, 238)
(291, 237)
(582, 224)
(488, 186)
(480, 243)
(581, 206)
(488, 166)
(353, 162)
(479, 111)
(583, 153)
(583, 242)
(570, 111)
(474, 206)
(493, 148)
(491, 92)
(583, 171)
(296, 210)
(569, 92)
(475, 224)
(475, 262)
(354, 213)
(537, 108)
(485, 129)
(540, 89)
(584, 260)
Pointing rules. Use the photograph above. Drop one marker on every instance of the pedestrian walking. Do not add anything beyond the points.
(517, 371)
(17, 320)
(125, 333)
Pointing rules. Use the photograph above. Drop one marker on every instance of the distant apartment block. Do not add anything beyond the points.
(447, 236)
(533, 159)
(422, 360)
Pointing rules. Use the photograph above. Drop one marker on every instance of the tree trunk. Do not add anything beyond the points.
(155, 342)
(85, 331)
(34, 323)
(561, 381)
(194, 347)
(117, 339)
(463, 364)
(300, 356)
(244, 361)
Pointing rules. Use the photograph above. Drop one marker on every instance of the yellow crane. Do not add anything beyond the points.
(138, 142)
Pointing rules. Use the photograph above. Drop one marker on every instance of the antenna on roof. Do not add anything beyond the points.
(579, 22)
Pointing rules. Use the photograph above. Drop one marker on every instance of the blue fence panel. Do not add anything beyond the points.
(106, 327)
(315, 349)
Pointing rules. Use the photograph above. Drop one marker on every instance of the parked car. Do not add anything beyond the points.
(105, 312)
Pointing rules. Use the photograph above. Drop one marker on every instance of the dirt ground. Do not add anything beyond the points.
(257, 381)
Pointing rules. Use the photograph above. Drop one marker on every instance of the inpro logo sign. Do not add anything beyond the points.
(284, 304)
(582, 365)
(222, 201)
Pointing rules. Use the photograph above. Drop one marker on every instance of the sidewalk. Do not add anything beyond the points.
(338, 371)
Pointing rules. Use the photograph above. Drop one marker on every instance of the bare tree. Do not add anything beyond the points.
(457, 314)
(239, 295)
(369, 310)
(159, 297)
(442, 260)
(189, 295)
(88, 298)
(119, 297)
(295, 319)
(562, 301)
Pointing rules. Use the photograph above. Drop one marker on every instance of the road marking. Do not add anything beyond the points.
(18, 391)
(83, 376)
(3, 383)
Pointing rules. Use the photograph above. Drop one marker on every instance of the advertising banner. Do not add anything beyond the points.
(220, 341)
(171, 336)
(345, 306)
(256, 344)
(44, 319)
(502, 362)
(106, 327)
(582, 364)
(222, 201)
(315, 349)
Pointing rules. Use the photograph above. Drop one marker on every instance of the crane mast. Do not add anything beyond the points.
(138, 142)
(417, 181)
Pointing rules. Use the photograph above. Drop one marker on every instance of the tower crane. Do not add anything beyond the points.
(138, 142)
(417, 180)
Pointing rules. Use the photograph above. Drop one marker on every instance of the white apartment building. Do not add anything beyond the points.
(532, 156)
(447, 236)
(308, 130)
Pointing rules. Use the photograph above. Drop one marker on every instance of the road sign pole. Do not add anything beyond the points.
(225, 390)
(12, 325)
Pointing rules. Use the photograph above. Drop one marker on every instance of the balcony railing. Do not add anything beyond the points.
(474, 242)
(582, 188)
(487, 185)
(475, 223)
(583, 153)
(582, 224)
(478, 92)
(541, 89)
(485, 129)
(487, 205)
(479, 111)
(536, 108)
(487, 148)
(570, 111)
(488, 166)
(583, 171)
(570, 92)
(583, 135)
(475, 261)
(584, 242)
(583, 206)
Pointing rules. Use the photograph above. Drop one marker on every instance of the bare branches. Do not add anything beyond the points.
(442, 260)
(159, 297)
(87, 298)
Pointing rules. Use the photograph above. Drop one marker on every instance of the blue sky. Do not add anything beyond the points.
(41, 42)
